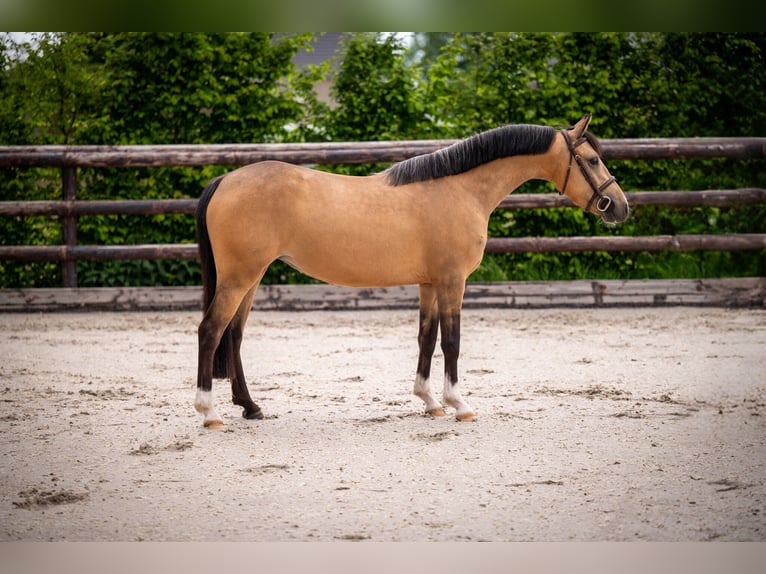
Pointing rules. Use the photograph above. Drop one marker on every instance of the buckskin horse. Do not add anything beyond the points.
(422, 221)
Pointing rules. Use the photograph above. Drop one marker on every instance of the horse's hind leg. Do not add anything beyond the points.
(428, 329)
(225, 304)
(239, 393)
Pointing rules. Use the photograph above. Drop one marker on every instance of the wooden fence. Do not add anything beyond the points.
(70, 158)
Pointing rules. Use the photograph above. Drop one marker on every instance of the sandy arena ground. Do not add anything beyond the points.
(607, 424)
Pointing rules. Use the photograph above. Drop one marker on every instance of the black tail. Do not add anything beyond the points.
(222, 367)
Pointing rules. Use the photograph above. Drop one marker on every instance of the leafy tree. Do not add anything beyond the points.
(38, 83)
(637, 85)
(180, 88)
(195, 87)
(424, 48)
(376, 92)
(142, 88)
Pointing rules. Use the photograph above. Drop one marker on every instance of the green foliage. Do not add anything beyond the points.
(636, 85)
(376, 94)
(140, 88)
(193, 88)
(161, 88)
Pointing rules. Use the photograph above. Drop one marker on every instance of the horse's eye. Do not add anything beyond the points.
(593, 161)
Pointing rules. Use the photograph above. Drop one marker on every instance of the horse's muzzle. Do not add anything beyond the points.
(612, 211)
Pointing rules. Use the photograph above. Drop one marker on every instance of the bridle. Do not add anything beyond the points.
(603, 202)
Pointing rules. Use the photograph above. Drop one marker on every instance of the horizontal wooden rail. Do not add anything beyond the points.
(735, 292)
(98, 207)
(342, 152)
(97, 252)
(714, 197)
(214, 154)
(723, 242)
(684, 148)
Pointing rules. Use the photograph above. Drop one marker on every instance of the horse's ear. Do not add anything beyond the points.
(579, 129)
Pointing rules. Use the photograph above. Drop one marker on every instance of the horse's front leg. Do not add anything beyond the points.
(449, 320)
(428, 330)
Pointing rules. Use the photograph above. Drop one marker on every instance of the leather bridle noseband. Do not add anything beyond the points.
(603, 202)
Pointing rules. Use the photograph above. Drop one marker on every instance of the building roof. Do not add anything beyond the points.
(325, 46)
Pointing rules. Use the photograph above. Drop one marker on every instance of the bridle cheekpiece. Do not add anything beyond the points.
(603, 202)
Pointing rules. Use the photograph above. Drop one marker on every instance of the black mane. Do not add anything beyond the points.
(472, 152)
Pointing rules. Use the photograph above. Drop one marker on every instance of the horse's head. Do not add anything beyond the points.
(587, 182)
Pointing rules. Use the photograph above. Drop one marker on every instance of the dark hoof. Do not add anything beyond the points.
(253, 414)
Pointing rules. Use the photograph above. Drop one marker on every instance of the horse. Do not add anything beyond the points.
(421, 221)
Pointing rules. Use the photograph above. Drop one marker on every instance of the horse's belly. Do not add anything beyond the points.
(357, 267)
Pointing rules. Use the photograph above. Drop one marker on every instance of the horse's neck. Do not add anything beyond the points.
(493, 181)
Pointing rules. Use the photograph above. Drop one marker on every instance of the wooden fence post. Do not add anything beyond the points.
(69, 225)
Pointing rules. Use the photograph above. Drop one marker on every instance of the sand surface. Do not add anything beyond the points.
(608, 424)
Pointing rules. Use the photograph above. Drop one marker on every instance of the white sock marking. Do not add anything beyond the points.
(453, 398)
(423, 390)
(204, 404)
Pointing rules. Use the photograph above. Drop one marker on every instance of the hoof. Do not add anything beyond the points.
(255, 415)
(213, 425)
(437, 412)
(466, 417)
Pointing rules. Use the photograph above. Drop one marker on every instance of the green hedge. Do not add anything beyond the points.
(162, 88)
